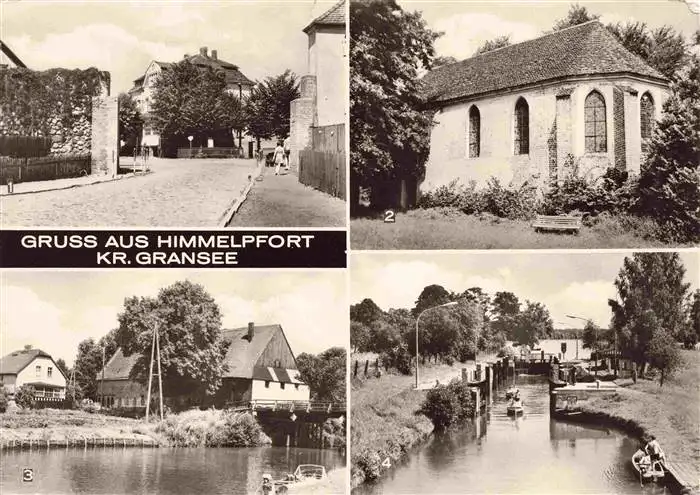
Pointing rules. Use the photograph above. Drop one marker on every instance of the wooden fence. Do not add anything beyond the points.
(328, 138)
(323, 170)
(46, 168)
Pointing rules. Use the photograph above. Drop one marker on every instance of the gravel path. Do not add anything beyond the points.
(179, 193)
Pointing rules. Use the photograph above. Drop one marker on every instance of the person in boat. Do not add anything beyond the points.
(267, 485)
(653, 449)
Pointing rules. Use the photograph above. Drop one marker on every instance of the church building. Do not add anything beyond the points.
(573, 101)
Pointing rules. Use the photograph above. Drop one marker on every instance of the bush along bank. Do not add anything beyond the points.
(212, 428)
(389, 431)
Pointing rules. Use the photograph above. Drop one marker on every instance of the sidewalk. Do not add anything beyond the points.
(282, 201)
(56, 184)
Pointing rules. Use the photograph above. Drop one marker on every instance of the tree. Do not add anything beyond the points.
(60, 362)
(532, 323)
(689, 334)
(192, 348)
(431, 296)
(365, 312)
(89, 360)
(664, 354)
(325, 374)
(506, 308)
(662, 48)
(192, 100)
(443, 60)
(130, 119)
(576, 15)
(494, 44)
(669, 184)
(390, 129)
(651, 295)
(267, 107)
(359, 336)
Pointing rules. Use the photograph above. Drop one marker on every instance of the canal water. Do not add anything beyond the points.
(173, 471)
(529, 454)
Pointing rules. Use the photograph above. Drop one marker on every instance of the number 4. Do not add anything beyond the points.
(389, 216)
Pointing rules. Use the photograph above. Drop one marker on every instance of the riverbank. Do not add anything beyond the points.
(211, 428)
(670, 412)
(385, 422)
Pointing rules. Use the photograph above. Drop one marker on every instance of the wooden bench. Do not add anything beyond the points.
(559, 222)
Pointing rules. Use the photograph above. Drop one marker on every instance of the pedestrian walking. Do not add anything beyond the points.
(278, 157)
(287, 150)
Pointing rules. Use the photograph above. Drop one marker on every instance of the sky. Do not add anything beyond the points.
(263, 38)
(466, 25)
(574, 283)
(55, 310)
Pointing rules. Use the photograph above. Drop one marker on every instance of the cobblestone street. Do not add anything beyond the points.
(178, 193)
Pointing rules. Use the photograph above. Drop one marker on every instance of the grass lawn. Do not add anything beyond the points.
(384, 420)
(671, 412)
(442, 229)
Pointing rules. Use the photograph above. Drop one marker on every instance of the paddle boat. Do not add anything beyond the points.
(647, 470)
(515, 407)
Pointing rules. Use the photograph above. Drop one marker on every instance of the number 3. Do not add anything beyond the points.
(389, 216)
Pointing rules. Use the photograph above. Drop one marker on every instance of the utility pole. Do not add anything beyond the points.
(155, 354)
(102, 382)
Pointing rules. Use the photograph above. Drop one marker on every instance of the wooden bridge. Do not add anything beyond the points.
(293, 423)
(686, 476)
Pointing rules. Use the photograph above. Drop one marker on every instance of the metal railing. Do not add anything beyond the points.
(289, 405)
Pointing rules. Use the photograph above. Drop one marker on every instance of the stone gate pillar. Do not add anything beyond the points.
(104, 146)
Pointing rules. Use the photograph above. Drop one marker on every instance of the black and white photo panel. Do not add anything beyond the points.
(166, 381)
(518, 372)
(190, 114)
(521, 125)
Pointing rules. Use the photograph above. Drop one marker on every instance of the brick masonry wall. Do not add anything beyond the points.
(619, 128)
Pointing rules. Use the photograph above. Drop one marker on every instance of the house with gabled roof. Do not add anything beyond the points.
(143, 89)
(573, 101)
(260, 366)
(35, 368)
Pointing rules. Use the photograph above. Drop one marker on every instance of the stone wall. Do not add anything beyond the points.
(56, 103)
(302, 117)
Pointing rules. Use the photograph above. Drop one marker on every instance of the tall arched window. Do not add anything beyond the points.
(594, 122)
(474, 132)
(646, 120)
(522, 127)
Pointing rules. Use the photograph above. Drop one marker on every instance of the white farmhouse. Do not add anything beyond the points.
(32, 367)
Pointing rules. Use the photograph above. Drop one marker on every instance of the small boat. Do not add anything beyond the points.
(304, 475)
(648, 470)
(515, 407)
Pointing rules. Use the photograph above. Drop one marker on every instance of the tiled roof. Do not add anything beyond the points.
(233, 74)
(335, 16)
(11, 55)
(16, 361)
(585, 49)
(240, 358)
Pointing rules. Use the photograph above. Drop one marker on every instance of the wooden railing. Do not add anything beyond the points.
(45, 168)
(289, 405)
(210, 152)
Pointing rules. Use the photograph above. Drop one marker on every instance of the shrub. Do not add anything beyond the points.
(504, 202)
(398, 358)
(212, 428)
(24, 397)
(3, 400)
(446, 405)
(370, 463)
(456, 196)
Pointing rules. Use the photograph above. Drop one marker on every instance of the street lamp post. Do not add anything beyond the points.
(453, 303)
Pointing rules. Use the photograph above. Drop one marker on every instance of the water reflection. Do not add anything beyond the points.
(528, 454)
(134, 470)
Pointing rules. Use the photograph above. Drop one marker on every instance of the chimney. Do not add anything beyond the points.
(28, 347)
(186, 55)
(203, 51)
(251, 331)
(213, 55)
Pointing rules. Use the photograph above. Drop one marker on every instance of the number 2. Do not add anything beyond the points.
(389, 216)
